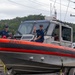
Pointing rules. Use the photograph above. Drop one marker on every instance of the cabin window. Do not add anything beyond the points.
(66, 33)
(25, 28)
(56, 33)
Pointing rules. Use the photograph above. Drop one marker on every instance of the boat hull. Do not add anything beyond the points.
(31, 57)
(35, 63)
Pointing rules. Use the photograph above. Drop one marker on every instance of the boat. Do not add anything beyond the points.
(25, 56)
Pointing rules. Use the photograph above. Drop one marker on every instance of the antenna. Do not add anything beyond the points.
(50, 9)
(60, 10)
(55, 13)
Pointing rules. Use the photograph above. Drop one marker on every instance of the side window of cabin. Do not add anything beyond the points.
(56, 33)
(66, 33)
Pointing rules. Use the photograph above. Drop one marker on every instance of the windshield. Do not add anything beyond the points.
(45, 25)
(27, 28)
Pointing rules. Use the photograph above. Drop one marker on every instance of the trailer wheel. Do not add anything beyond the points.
(11, 72)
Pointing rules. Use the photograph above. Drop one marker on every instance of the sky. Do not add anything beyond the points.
(10, 9)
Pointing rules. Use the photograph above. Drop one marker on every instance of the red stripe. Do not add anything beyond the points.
(36, 52)
(23, 42)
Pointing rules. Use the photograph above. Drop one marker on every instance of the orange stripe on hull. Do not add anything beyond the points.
(35, 44)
